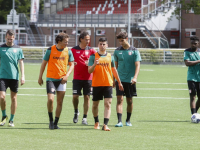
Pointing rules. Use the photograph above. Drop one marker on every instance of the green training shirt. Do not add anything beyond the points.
(9, 57)
(193, 73)
(126, 59)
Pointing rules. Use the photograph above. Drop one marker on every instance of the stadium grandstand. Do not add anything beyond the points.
(150, 26)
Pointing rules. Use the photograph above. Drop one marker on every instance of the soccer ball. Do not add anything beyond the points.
(195, 118)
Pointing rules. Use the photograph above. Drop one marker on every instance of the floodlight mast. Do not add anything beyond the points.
(76, 20)
(129, 20)
(13, 15)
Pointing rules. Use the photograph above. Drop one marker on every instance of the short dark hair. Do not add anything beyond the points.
(82, 35)
(10, 32)
(122, 35)
(61, 36)
(103, 39)
(194, 38)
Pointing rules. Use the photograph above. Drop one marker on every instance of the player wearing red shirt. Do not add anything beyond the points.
(82, 79)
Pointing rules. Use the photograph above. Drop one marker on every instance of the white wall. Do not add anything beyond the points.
(162, 21)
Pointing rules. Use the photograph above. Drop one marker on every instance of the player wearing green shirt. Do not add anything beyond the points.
(127, 62)
(192, 61)
(10, 55)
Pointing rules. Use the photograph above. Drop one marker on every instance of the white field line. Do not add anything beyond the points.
(137, 82)
(156, 89)
(113, 96)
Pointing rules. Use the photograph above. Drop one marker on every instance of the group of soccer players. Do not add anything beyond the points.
(94, 72)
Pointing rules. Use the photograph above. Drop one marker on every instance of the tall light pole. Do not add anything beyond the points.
(13, 15)
(76, 19)
(129, 20)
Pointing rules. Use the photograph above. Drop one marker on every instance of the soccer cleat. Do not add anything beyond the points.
(128, 123)
(56, 127)
(84, 121)
(11, 124)
(51, 125)
(119, 124)
(96, 125)
(105, 128)
(3, 121)
(75, 119)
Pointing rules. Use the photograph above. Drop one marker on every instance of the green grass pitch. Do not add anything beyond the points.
(161, 116)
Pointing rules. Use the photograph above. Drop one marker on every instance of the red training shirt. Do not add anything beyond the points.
(80, 56)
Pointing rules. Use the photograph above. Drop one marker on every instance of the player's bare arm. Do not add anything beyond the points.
(191, 63)
(42, 68)
(91, 68)
(71, 68)
(21, 65)
(115, 74)
(137, 70)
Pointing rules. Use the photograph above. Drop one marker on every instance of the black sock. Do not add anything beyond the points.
(193, 110)
(96, 119)
(56, 120)
(76, 110)
(84, 116)
(128, 117)
(50, 116)
(119, 116)
(106, 121)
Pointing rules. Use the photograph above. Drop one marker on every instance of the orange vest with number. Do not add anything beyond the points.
(57, 64)
(102, 75)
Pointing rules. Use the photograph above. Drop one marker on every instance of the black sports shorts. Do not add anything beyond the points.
(11, 83)
(129, 90)
(194, 88)
(78, 85)
(101, 92)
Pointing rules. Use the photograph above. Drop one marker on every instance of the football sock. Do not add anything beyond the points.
(11, 117)
(84, 116)
(50, 116)
(128, 116)
(193, 110)
(76, 110)
(106, 121)
(4, 113)
(96, 119)
(119, 116)
(56, 120)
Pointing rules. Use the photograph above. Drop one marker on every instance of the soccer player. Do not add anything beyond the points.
(10, 55)
(58, 58)
(192, 60)
(82, 79)
(102, 65)
(127, 62)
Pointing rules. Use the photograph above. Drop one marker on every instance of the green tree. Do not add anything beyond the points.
(21, 6)
(185, 5)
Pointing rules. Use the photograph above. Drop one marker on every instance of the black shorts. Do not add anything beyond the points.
(102, 91)
(52, 86)
(11, 83)
(129, 90)
(79, 84)
(194, 88)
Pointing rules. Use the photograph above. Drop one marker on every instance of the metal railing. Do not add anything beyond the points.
(147, 55)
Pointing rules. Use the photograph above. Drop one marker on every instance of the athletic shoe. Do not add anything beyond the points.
(96, 125)
(11, 124)
(75, 119)
(3, 121)
(51, 125)
(128, 124)
(105, 128)
(84, 121)
(56, 127)
(119, 124)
